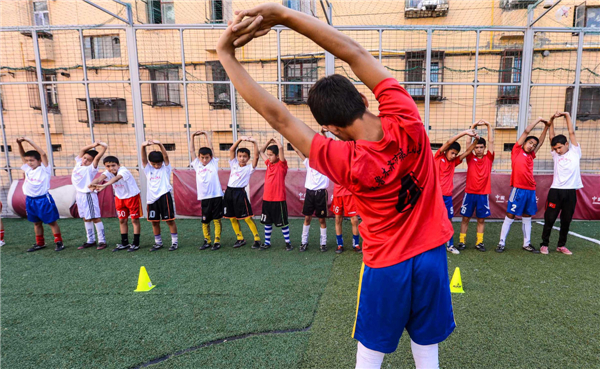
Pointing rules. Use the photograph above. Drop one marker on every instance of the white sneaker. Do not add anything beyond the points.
(452, 249)
(2, 243)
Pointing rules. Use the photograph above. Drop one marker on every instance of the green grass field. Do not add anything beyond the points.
(278, 309)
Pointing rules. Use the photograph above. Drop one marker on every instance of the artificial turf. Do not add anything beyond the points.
(77, 308)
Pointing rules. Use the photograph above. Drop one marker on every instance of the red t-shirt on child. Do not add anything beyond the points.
(446, 171)
(275, 181)
(479, 174)
(393, 181)
(522, 168)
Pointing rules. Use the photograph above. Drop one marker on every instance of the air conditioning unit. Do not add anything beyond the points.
(516, 4)
(426, 8)
(507, 116)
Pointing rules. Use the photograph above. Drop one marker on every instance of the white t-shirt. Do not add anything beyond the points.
(314, 179)
(239, 176)
(37, 181)
(125, 187)
(567, 174)
(82, 176)
(208, 185)
(159, 181)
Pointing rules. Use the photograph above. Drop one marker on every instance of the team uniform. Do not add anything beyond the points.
(39, 203)
(159, 199)
(127, 194)
(88, 206)
(522, 198)
(342, 203)
(274, 208)
(446, 175)
(209, 189)
(404, 280)
(315, 201)
(479, 186)
(237, 204)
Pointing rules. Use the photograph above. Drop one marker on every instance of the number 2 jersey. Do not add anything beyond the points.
(394, 181)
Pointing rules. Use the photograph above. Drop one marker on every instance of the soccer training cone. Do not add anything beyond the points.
(144, 284)
(456, 282)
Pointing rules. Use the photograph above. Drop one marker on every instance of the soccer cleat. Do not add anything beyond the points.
(86, 245)
(323, 248)
(289, 247)
(303, 247)
(174, 246)
(531, 249)
(480, 247)
(461, 246)
(239, 243)
(564, 250)
(156, 247)
(339, 249)
(265, 246)
(500, 248)
(452, 249)
(121, 247)
(101, 246)
(256, 245)
(205, 245)
(357, 249)
(544, 250)
(216, 246)
(35, 248)
(59, 246)
(133, 248)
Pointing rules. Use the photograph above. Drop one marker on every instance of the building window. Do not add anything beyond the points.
(305, 6)
(510, 72)
(104, 110)
(508, 147)
(41, 17)
(216, 11)
(161, 12)
(427, 8)
(589, 103)
(169, 147)
(50, 89)
(167, 94)
(2, 100)
(219, 95)
(415, 72)
(102, 47)
(225, 146)
(56, 147)
(587, 16)
(435, 146)
(298, 70)
(9, 147)
(516, 4)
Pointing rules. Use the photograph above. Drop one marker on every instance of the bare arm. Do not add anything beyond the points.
(21, 149)
(281, 149)
(528, 130)
(234, 147)
(542, 136)
(87, 148)
(96, 181)
(571, 128)
(193, 151)
(302, 157)
(264, 148)
(469, 148)
(490, 138)
(115, 179)
(163, 150)
(103, 147)
(37, 148)
(144, 154)
(256, 154)
(447, 144)
(551, 129)
(209, 141)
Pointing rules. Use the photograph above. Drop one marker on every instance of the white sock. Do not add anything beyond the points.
(426, 356)
(174, 238)
(323, 236)
(505, 229)
(89, 230)
(367, 358)
(305, 229)
(100, 230)
(526, 231)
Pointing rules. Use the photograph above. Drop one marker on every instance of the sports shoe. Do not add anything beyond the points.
(133, 248)
(288, 247)
(216, 246)
(205, 245)
(452, 249)
(544, 250)
(256, 245)
(303, 247)
(121, 247)
(59, 246)
(564, 250)
(323, 248)
(339, 249)
(461, 246)
(500, 248)
(174, 246)
(101, 246)
(35, 248)
(239, 243)
(531, 249)
(480, 247)
(156, 247)
(86, 245)
(265, 246)
(2, 243)
(357, 249)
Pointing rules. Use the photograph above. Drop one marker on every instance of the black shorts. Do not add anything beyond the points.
(237, 204)
(212, 209)
(161, 209)
(274, 212)
(315, 203)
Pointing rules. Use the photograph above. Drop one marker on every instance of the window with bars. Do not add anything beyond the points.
(161, 12)
(510, 72)
(41, 16)
(298, 70)
(588, 107)
(586, 16)
(102, 47)
(219, 95)
(415, 71)
(216, 11)
(51, 91)
(167, 94)
(104, 110)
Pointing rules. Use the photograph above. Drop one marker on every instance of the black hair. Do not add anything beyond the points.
(334, 100)
(156, 157)
(91, 153)
(537, 140)
(33, 154)
(274, 149)
(205, 151)
(244, 150)
(482, 142)
(454, 146)
(560, 139)
(111, 159)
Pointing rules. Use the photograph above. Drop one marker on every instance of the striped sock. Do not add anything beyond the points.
(268, 230)
(286, 233)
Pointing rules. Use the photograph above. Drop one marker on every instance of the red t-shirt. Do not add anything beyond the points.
(479, 174)
(275, 181)
(339, 191)
(393, 181)
(446, 171)
(522, 168)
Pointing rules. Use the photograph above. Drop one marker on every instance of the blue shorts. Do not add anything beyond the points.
(449, 206)
(41, 209)
(522, 202)
(414, 294)
(479, 203)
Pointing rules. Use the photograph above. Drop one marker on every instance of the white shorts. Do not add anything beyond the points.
(88, 205)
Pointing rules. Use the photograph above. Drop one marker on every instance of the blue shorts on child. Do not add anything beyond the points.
(413, 294)
(449, 206)
(41, 209)
(480, 204)
(522, 202)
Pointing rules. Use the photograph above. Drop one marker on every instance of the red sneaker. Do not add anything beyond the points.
(544, 250)
(564, 250)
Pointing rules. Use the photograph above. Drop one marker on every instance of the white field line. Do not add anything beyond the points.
(593, 240)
